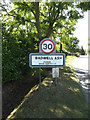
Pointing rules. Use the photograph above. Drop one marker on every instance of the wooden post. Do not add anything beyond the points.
(39, 77)
(60, 48)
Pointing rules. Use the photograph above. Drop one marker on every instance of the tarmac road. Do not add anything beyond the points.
(81, 67)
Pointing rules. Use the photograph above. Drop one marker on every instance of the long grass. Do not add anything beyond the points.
(65, 100)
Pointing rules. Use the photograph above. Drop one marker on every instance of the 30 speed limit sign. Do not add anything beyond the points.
(47, 46)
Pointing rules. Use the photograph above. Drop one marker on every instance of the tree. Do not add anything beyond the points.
(71, 44)
(27, 23)
(82, 51)
(46, 17)
(84, 6)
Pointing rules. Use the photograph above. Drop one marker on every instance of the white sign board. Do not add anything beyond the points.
(51, 60)
(47, 60)
(55, 72)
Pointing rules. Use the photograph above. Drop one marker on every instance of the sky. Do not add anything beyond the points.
(81, 31)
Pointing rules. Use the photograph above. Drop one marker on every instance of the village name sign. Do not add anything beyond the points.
(47, 57)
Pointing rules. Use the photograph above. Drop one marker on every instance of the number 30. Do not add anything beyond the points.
(47, 46)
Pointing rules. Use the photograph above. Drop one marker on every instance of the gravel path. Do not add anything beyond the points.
(81, 67)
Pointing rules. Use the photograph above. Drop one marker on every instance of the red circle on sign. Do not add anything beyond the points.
(51, 50)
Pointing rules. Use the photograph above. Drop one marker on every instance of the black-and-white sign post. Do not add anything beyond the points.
(48, 58)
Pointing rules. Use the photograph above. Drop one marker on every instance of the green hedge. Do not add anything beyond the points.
(15, 55)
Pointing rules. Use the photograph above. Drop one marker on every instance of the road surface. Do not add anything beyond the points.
(82, 70)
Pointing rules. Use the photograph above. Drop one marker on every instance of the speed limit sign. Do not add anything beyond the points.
(47, 46)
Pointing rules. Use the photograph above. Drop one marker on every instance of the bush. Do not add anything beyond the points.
(15, 56)
(77, 54)
(11, 63)
(82, 51)
(66, 53)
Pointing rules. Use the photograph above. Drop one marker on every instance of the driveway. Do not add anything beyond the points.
(81, 67)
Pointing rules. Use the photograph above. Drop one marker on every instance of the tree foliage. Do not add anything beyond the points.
(27, 23)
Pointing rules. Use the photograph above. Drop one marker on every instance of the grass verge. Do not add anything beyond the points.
(66, 100)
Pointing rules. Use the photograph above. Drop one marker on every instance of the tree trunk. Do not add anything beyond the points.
(37, 20)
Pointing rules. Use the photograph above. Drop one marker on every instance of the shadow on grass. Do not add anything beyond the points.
(65, 100)
(83, 77)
